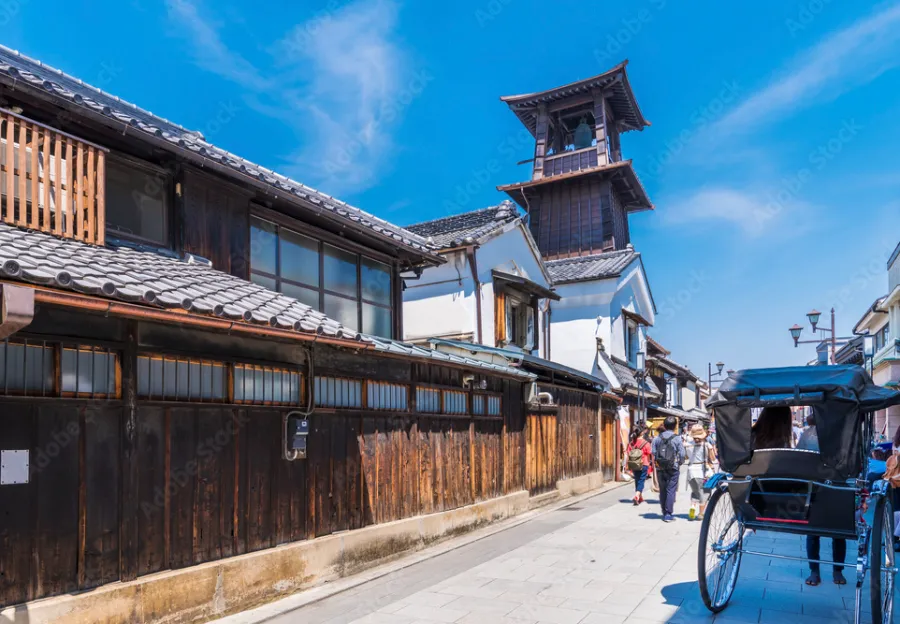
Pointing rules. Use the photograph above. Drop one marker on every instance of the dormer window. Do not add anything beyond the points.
(137, 201)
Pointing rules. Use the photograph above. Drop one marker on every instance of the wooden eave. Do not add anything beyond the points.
(614, 82)
(631, 192)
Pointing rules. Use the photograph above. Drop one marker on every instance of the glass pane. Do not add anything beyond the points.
(342, 310)
(263, 246)
(170, 379)
(376, 321)
(376, 281)
(238, 383)
(143, 376)
(136, 201)
(299, 258)
(301, 294)
(195, 378)
(262, 280)
(181, 379)
(218, 382)
(340, 271)
(156, 378)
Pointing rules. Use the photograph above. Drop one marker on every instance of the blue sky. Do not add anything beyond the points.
(772, 157)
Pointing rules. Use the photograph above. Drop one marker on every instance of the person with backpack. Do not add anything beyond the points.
(668, 455)
(700, 467)
(637, 457)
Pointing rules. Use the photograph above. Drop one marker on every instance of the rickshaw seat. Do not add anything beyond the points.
(787, 463)
(793, 506)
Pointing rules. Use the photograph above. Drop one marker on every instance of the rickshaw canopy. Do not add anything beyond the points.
(839, 396)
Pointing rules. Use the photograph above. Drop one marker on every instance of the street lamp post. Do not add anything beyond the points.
(710, 376)
(814, 316)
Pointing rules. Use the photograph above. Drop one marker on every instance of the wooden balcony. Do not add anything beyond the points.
(567, 162)
(51, 181)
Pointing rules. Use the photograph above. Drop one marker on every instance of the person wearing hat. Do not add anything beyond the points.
(701, 456)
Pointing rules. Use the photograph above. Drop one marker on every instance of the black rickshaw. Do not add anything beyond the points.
(803, 492)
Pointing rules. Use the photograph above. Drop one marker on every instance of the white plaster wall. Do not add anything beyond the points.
(441, 302)
(689, 396)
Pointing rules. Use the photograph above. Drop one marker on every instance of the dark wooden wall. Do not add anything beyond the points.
(216, 222)
(562, 441)
(578, 217)
(211, 482)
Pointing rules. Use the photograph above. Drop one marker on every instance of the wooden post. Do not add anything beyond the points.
(600, 127)
(128, 514)
(540, 146)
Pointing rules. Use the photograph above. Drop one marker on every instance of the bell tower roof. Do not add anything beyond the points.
(614, 83)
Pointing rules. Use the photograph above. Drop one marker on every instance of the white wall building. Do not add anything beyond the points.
(493, 290)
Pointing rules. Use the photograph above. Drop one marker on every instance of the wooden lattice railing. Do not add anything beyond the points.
(51, 181)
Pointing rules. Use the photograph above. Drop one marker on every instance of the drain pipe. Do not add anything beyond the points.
(16, 309)
(473, 264)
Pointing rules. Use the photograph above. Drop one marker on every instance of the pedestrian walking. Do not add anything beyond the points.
(701, 456)
(809, 441)
(668, 455)
(638, 461)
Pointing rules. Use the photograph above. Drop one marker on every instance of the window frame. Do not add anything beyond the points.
(320, 289)
(118, 159)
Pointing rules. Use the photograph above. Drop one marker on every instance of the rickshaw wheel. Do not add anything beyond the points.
(882, 562)
(719, 555)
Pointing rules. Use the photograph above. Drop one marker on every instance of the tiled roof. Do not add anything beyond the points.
(22, 70)
(626, 375)
(585, 268)
(468, 227)
(148, 277)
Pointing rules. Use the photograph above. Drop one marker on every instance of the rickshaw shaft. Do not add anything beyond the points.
(807, 560)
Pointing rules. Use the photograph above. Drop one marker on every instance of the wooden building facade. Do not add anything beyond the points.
(169, 312)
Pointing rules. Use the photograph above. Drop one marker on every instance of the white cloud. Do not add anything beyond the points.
(356, 73)
(840, 62)
(339, 80)
(752, 213)
(210, 52)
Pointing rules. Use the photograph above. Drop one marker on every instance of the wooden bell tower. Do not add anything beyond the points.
(581, 190)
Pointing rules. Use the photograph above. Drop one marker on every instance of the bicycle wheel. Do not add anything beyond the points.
(882, 562)
(719, 555)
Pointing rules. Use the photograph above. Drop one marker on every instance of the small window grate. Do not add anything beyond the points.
(494, 406)
(338, 392)
(89, 372)
(478, 407)
(164, 378)
(27, 368)
(454, 402)
(386, 396)
(428, 400)
(265, 385)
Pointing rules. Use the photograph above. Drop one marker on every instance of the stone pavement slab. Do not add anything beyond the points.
(600, 561)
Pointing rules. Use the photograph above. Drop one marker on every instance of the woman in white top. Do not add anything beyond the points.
(701, 456)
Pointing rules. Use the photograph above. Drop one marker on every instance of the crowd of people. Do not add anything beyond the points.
(658, 460)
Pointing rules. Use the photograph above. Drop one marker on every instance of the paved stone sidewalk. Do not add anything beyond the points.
(611, 563)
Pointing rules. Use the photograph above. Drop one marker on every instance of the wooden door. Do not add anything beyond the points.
(608, 444)
(541, 467)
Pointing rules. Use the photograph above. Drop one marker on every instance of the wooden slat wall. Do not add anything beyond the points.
(51, 181)
(211, 482)
(577, 218)
(561, 442)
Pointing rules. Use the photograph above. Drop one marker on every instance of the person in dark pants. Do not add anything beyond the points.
(809, 441)
(668, 455)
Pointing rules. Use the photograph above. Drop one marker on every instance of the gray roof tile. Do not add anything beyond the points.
(23, 70)
(585, 268)
(626, 375)
(468, 227)
(156, 279)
